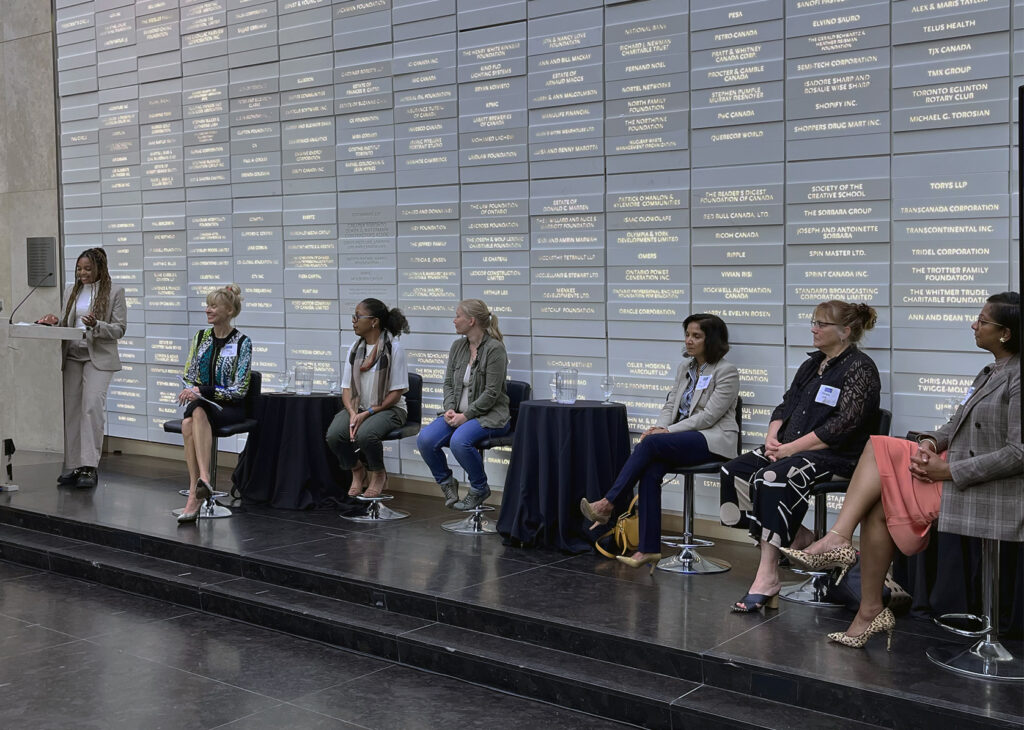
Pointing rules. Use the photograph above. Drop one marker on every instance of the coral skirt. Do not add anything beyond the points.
(911, 505)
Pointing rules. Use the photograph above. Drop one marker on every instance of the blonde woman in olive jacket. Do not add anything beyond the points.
(475, 402)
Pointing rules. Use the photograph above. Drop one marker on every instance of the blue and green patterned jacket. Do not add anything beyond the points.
(231, 381)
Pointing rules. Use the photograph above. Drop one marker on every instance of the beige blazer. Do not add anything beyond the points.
(101, 339)
(713, 410)
(986, 458)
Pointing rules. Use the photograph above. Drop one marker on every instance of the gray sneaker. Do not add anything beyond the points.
(450, 489)
(473, 500)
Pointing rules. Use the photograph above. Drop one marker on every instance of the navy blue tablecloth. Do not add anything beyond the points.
(286, 463)
(560, 454)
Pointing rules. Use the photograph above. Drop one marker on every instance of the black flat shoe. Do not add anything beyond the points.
(70, 477)
(87, 478)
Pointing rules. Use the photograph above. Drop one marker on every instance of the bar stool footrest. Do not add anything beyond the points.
(984, 624)
(684, 542)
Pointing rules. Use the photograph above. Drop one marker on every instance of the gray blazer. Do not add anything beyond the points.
(101, 339)
(713, 410)
(986, 458)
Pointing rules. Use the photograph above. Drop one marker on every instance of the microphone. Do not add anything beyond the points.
(31, 292)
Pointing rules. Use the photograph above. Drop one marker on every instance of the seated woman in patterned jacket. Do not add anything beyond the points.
(218, 370)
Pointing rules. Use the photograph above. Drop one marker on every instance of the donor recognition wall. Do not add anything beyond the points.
(595, 171)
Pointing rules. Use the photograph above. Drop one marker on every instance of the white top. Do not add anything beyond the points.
(399, 376)
(464, 398)
(83, 305)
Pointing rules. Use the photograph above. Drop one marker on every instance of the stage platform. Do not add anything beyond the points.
(581, 632)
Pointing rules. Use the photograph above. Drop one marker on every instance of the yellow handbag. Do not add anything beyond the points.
(625, 534)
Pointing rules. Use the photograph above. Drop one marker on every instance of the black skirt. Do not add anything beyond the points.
(229, 414)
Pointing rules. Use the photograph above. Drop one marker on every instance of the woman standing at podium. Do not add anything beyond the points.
(97, 306)
(218, 370)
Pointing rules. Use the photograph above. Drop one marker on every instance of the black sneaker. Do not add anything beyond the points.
(473, 500)
(450, 489)
(87, 477)
(69, 477)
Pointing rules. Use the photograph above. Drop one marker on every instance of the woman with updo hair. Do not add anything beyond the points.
(95, 305)
(968, 474)
(815, 435)
(374, 383)
(475, 404)
(217, 369)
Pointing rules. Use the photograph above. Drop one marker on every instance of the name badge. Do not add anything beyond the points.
(702, 382)
(230, 350)
(970, 392)
(827, 395)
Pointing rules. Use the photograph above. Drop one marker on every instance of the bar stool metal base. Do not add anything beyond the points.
(689, 561)
(209, 511)
(810, 592)
(473, 524)
(986, 659)
(215, 494)
(378, 511)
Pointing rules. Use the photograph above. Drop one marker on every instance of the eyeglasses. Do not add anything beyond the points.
(818, 324)
(357, 317)
(981, 321)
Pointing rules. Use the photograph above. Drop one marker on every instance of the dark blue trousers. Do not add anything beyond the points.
(650, 461)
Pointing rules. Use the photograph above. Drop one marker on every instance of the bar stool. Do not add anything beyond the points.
(986, 658)
(210, 508)
(377, 511)
(689, 561)
(813, 590)
(475, 523)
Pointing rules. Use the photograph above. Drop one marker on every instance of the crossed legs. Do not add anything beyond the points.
(198, 435)
(863, 506)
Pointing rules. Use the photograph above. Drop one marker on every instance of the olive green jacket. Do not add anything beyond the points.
(488, 401)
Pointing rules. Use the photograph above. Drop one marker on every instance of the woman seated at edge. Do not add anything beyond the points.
(475, 405)
(217, 369)
(817, 433)
(697, 424)
(968, 473)
(374, 383)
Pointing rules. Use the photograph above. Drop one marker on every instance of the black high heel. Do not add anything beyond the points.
(755, 602)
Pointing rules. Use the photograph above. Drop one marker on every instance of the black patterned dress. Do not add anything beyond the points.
(770, 498)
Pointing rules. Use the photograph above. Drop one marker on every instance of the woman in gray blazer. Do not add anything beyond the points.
(97, 306)
(697, 424)
(967, 473)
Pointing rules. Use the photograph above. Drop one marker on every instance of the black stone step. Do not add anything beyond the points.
(601, 688)
(214, 577)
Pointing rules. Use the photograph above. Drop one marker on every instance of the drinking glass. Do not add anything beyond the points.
(607, 388)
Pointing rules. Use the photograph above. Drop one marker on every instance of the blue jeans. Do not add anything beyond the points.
(462, 442)
(649, 463)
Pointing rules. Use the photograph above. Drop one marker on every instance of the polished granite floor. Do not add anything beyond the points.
(81, 655)
(687, 614)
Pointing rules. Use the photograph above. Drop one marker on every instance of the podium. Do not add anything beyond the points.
(25, 330)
